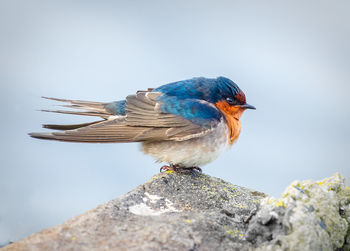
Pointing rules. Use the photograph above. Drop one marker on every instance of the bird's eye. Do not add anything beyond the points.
(229, 100)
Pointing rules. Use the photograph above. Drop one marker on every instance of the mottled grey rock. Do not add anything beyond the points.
(183, 212)
(309, 216)
(169, 212)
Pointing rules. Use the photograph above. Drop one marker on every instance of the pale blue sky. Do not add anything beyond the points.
(291, 58)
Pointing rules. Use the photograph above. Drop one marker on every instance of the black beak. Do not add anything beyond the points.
(247, 106)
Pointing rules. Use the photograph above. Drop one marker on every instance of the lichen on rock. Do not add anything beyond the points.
(309, 216)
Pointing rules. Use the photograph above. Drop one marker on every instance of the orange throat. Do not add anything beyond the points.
(232, 115)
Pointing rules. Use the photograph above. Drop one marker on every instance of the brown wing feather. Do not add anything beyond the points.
(108, 131)
(144, 122)
(143, 110)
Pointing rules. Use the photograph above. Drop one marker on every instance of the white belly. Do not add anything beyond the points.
(193, 152)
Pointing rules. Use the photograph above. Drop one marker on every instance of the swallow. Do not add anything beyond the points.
(185, 124)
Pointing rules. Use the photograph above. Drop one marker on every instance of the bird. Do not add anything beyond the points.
(185, 124)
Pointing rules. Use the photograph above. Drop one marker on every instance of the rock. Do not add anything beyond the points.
(309, 216)
(183, 212)
(170, 211)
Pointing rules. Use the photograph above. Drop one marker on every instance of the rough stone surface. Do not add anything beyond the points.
(169, 212)
(183, 212)
(309, 216)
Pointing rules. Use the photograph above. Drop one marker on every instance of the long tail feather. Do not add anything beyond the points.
(90, 108)
(95, 114)
(112, 128)
(69, 127)
(106, 131)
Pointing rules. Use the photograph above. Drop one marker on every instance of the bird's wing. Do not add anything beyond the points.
(150, 116)
(169, 117)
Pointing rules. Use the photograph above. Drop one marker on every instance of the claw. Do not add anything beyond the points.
(164, 169)
(168, 168)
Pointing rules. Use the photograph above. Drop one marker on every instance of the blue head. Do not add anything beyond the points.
(227, 90)
(212, 90)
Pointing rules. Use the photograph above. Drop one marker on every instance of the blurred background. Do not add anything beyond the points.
(291, 58)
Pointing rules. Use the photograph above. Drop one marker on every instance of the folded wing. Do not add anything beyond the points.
(148, 116)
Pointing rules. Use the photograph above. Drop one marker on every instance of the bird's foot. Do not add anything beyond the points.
(173, 168)
(194, 170)
(197, 168)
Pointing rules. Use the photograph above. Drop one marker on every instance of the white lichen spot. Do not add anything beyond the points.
(152, 198)
(148, 210)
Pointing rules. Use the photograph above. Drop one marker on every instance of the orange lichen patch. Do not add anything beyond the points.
(232, 116)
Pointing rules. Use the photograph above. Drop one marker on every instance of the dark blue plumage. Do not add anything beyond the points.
(197, 112)
(182, 98)
(208, 89)
(116, 108)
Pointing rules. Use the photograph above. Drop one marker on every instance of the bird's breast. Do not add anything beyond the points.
(192, 152)
(232, 115)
